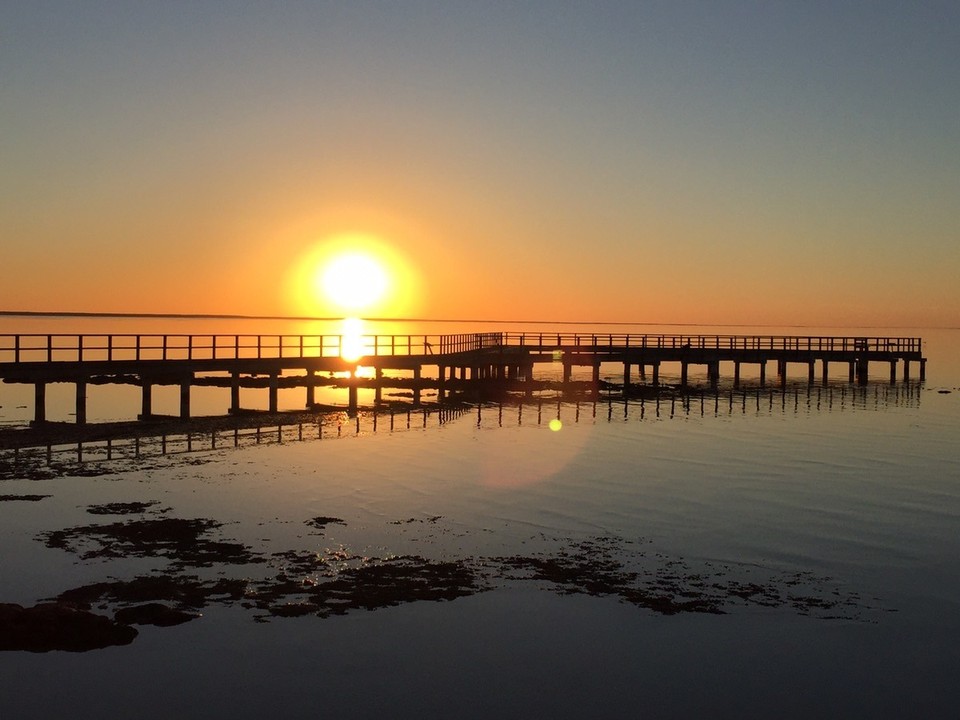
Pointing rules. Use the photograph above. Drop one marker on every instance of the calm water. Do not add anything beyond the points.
(819, 526)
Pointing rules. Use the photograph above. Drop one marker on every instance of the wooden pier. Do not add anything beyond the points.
(490, 361)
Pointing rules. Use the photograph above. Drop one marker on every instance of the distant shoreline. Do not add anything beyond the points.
(487, 321)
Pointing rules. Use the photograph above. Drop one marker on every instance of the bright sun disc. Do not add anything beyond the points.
(354, 281)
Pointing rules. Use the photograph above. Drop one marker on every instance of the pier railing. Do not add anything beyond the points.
(87, 348)
(813, 343)
(465, 342)
(90, 348)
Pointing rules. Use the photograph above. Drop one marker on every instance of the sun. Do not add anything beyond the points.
(353, 275)
(354, 281)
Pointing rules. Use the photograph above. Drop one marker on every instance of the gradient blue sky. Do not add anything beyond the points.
(723, 162)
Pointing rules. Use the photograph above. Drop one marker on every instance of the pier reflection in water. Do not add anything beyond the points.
(62, 447)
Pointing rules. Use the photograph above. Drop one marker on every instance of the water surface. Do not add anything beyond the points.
(807, 543)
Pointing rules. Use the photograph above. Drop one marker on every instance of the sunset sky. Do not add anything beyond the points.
(714, 162)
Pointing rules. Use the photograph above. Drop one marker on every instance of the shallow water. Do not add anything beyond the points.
(817, 529)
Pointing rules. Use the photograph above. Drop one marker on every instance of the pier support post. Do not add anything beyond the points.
(763, 373)
(378, 389)
(146, 398)
(596, 372)
(713, 373)
(311, 386)
(906, 370)
(683, 373)
(441, 385)
(736, 375)
(185, 398)
(352, 397)
(40, 402)
(643, 372)
(853, 371)
(235, 392)
(416, 386)
(893, 372)
(274, 388)
(923, 369)
(626, 376)
(810, 373)
(567, 369)
(863, 371)
(528, 377)
(826, 373)
(656, 374)
(782, 367)
(81, 402)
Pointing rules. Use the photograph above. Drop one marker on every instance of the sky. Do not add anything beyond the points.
(697, 162)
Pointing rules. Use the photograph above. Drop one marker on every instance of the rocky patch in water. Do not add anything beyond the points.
(184, 542)
(59, 626)
(321, 522)
(610, 567)
(153, 613)
(335, 582)
(23, 498)
(410, 521)
(124, 508)
(305, 583)
(375, 583)
(184, 592)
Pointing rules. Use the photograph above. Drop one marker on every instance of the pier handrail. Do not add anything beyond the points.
(813, 343)
(61, 347)
(38, 347)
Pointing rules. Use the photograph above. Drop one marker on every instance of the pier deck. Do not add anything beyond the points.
(441, 362)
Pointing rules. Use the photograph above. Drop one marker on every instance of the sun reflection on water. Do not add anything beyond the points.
(352, 346)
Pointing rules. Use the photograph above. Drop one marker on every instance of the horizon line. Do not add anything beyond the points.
(307, 318)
